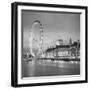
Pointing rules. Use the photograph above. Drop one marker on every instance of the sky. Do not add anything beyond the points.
(56, 25)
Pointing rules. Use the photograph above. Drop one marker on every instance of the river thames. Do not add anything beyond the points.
(38, 68)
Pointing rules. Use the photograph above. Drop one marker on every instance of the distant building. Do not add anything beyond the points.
(63, 51)
(59, 51)
(59, 42)
(70, 41)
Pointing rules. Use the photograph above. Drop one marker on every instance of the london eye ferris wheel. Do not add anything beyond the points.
(32, 37)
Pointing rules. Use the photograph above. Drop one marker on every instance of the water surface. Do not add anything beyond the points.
(38, 68)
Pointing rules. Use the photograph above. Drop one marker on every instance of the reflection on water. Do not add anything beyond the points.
(50, 68)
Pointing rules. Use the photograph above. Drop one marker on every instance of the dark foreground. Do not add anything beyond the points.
(37, 68)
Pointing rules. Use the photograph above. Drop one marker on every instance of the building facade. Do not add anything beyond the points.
(72, 50)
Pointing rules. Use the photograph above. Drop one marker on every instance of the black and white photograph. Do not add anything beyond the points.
(49, 44)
